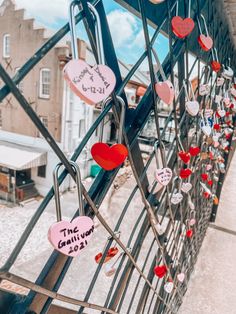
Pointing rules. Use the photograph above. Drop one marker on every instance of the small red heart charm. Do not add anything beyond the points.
(108, 157)
(185, 157)
(194, 151)
(160, 271)
(227, 114)
(204, 176)
(206, 194)
(185, 173)
(216, 66)
(182, 27)
(205, 42)
(189, 233)
(216, 126)
(228, 136)
(210, 182)
(111, 253)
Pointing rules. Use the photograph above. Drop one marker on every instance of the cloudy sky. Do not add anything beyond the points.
(126, 29)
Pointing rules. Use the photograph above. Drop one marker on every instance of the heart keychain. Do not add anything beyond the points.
(215, 64)
(204, 89)
(163, 175)
(111, 157)
(70, 237)
(182, 27)
(160, 271)
(91, 84)
(176, 197)
(169, 286)
(205, 41)
(205, 126)
(165, 90)
(192, 106)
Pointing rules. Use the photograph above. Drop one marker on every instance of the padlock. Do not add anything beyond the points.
(205, 41)
(205, 125)
(111, 157)
(192, 105)
(191, 221)
(164, 174)
(204, 89)
(215, 64)
(70, 238)
(176, 196)
(227, 72)
(112, 252)
(91, 84)
(156, 1)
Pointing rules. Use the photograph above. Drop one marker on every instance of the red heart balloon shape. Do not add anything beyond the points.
(185, 173)
(204, 176)
(189, 233)
(205, 42)
(210, 182)
(194, 151)
(185, 157)
(182, 27)
(216, 66)
(216, 126)
(160, 271)
(108, 157)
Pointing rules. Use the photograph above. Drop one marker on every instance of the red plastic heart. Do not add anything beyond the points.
(210, 182)
(185, 157)
(194, 151)
(182, 27)
(216, 126)
(204, 176)
(206, 194)
(108, 157)
(111, 253)
(160, 271)
(205, 42)
(189, 233)
(216, 66)
(185, 173)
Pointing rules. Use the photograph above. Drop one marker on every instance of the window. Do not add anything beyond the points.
(6, 46)
(44, 85)
(44, 120)
(21, 84)
(42, 171)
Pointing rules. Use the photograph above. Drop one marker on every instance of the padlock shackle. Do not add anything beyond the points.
(98, 31)
(104, 104)
(156, 148)
(57, 192)
(214, 54)
(186, 89)
(208, 69)
(189, 8)
(159, 65)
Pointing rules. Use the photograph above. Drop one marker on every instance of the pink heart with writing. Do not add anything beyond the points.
(192, 107)
(165, 90)
(69, 238)
(92, 85)
(204, 89)
(163, 176)
(205, 42)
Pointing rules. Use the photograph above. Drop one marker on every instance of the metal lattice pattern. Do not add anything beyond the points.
(134, 287)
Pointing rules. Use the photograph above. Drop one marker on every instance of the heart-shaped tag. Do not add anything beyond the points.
(176, 198)
(185, 173)
(194, 151)
(221, 112)
(216, 66)
(220, 81)
(165, 90)
(208, 113)
(189, 233)
(218, 98)
(160, 271)
(185, 157)
(169, 286)
(182, 27)
(186, 187)
(110, 254)
(208, 167)
(204, 89)
(192, 222)
(70, 238)
(205, 42)
(216, 126)
(192, 107)
(226, 101)
(109, 157)
(206, 129)
(181, 277)
(110, 270)
(160, 229)
(92, 85)
(210, 182)
(204, 176)
(163, 176)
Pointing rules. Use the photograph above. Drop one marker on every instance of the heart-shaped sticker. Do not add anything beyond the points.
(192, 107)
(205, 42)
(163, 176)
(216, 66)
(176, 198)
(169, 286)
(185, 157)
(194, 151)
(109, 157)
(204, 89)
(182, 27)
(185, 173)
(92, 85)
(181, 277)
(220, 81)
(70, 238)
(186, 187)
(165, 90)
(160, 271)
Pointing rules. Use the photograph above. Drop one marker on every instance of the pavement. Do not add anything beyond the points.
(212, 287)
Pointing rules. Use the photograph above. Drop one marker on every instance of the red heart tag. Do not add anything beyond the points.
(210, 182)
(205, 42)
(108, 157)
(206, 194)
(185, 157)
(111, 253)
(194, 151)
(227, 136)
(185, 173)
(189, 233)
(216, 66)
(160, 271)
(216, 126)
(227, 114)
(182, 27)
(204, 176)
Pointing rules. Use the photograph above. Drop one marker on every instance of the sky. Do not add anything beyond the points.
(126, 29)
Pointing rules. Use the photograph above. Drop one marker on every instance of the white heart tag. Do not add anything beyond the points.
(160, 229)
(206, 129)
(192, 107)
(169, 286)
(208, 113)
(163, 176)
(176, 198)
(204, 89)
(221, 113)
(218, 99)
(181, 277)
(186, 187)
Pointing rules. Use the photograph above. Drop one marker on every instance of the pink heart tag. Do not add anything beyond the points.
(220, 81)
(165, 91)
(92, 85)
(69, 238)
(192, 107)
(204, 89)
(181, 277)
(163, 176)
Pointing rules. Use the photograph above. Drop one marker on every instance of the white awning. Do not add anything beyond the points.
(19, 157)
